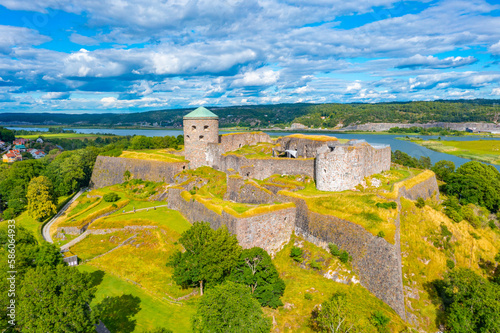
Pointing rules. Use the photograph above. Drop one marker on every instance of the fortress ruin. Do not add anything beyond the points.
(215, 175)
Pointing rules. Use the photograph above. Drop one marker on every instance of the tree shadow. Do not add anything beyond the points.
(437, 297)
(117, 313)
(96, 277)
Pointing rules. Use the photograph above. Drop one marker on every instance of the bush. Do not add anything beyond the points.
(315, 265)
(420, 203)
(111, 197)
(296, 254)
(308, 296)
(453, 209)
(344, 257)
(387, 205)
(381, 234)
(492, 224)
(450, 264)
(380, 321)
(334, 249)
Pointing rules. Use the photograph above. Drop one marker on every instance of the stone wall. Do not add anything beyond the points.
(234, 141)
(239, 190)
(378, 127)
(270, 231)
(109, 170)
(346, 166)
(264, 168)
(425, 189)
(306, 148)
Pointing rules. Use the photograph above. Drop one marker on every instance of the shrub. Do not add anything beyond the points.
(420, 203)
(381, 234)
(453, 209)
(308, 296)
(474, 235)
(334, 249)
(450, 264)
(387, 205)
(127, 175)
(296, 254)
(492, 224)
(315, 265)
(111, 197)
(344, 257)
(380, 321)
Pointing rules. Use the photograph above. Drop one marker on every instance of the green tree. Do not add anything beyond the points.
(334, 316)
(229, 308)
(41, 198)
(56, 299)
(209, 257)
(476, 183)
(472, 304)
(443, 169)
(256, 270)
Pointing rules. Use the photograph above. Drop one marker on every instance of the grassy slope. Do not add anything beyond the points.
(424, 256)
(154, 312)
(479, 150)
(164, 155)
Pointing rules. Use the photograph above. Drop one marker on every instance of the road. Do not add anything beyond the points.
(46, 227)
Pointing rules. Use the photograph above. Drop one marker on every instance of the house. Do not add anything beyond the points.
(2, 144)
(11, 157)
(20, 141)
(71, 261)
(38, 154)
(20, 147)
(39, 140)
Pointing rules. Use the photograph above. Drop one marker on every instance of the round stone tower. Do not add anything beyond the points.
(201, 132)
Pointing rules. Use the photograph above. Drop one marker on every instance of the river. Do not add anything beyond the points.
(410, 148)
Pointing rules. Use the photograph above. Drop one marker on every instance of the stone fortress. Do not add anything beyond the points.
(333, 165)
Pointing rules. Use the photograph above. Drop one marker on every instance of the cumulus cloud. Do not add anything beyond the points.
(18, 37)
(56, 95)
(257, 78)
(495, 92)
(419, 61)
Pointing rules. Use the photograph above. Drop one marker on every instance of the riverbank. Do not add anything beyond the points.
(479, 150)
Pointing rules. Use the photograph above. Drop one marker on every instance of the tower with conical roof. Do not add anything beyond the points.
(201, 130)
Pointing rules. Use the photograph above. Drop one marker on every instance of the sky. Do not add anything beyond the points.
(94, 56)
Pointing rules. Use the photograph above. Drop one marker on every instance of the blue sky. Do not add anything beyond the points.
(126, 56)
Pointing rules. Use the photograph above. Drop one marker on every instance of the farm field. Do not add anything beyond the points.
(480, 150)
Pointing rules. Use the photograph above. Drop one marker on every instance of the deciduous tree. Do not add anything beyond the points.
(41, 198)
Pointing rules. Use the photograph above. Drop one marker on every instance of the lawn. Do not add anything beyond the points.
(134, 310)
(480, 150)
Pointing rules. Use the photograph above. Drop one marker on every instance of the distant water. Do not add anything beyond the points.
(410, 148)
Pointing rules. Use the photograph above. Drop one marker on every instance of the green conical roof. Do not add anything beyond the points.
(201, 112)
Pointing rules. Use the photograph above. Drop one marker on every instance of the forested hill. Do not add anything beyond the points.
(324, 115)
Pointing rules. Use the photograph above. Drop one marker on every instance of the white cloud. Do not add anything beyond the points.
(108, 101)
(56, 95)
(18, 37)
(495, 92)
(419, 61)
(354, 86)
(257, 78)
(83, 40)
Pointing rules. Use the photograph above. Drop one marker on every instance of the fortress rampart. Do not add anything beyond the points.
(110, 170)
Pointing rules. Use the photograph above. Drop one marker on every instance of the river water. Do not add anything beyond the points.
(410, 148)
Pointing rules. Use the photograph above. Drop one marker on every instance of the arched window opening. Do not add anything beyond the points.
(193, 128)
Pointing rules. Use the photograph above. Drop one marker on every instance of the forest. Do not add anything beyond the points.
(281, 115)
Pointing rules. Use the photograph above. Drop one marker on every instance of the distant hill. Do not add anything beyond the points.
(316, 115)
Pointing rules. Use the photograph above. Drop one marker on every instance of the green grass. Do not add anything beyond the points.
(154, 312)
(164, 155)
(479, 150)
(160, 217)
(95, 245)
(300, 281)
(80, 136)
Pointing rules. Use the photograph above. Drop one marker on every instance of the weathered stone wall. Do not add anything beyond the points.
(247, 192)
(376, 261)
(234, 141)
(425, 190)
(198, 133)
(305, 147)
(269, 231)
(264, 168)
(347, 165)
(109, 170)
(378, 127)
